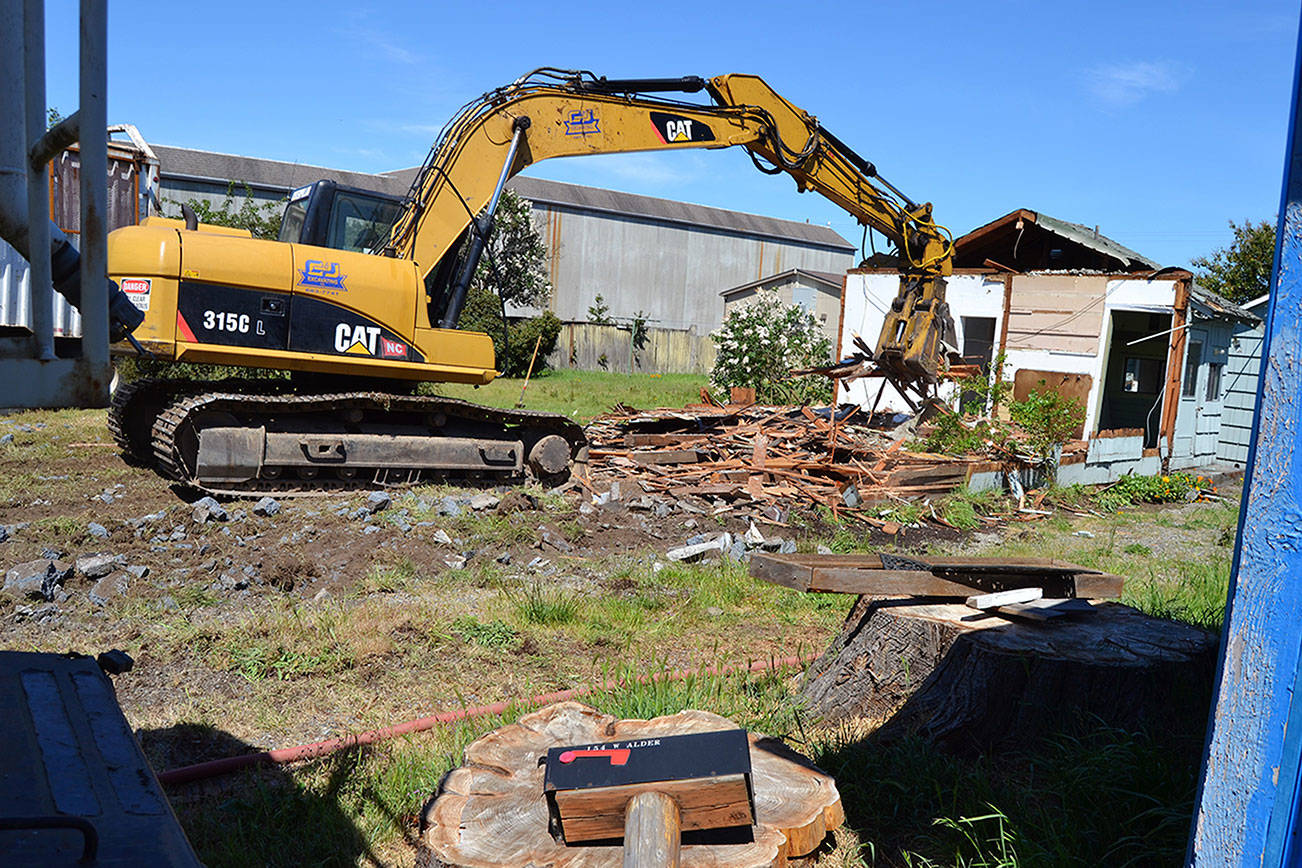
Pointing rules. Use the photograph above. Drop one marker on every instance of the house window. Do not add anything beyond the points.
(1191, 364)
(1214, 382)
(1143, 376)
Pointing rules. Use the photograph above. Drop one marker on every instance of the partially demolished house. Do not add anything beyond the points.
(1143, 348)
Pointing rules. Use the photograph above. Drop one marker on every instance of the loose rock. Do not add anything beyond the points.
(208, 509)
(481, 502)
(107, 588)
(97, 530)
(378, 501)
(98, 566)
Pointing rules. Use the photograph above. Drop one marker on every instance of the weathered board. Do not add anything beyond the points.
(932, 577)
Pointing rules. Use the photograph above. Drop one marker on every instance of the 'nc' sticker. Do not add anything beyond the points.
(581, 124)
(322, 274)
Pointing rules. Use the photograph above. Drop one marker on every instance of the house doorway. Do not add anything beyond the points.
(1132, 384)
(978, 349)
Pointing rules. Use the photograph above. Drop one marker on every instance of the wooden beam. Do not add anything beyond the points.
(1174, 368)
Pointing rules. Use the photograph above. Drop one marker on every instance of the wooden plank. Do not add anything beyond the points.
(1099, 586)
(1004, 598)
(781, 571)
(1046, 609)
(707, 803)
(669, 456)
(886, 583)
(633, 441)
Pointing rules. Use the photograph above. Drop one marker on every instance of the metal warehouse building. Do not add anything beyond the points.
(665, 258)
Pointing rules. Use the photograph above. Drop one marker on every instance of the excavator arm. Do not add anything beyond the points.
(555, 113)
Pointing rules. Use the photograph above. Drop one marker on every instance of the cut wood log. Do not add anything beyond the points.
(492, 811)
(992, 683)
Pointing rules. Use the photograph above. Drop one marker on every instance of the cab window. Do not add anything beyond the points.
(360, 223)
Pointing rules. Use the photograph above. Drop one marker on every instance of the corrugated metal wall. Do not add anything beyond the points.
(1241, 374)
(674, 272)
(581, 346)
(65, 210)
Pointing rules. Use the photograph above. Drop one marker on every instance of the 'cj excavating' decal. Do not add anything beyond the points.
(676, 128)
(327, 276)
(582, 123)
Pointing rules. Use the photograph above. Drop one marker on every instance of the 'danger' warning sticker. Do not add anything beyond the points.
(137, 289)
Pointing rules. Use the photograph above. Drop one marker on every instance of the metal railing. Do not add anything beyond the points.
(31, 373)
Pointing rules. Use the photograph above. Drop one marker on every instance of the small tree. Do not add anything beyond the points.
(599, 312)
(514, 267)
(1047, 419)
(262, 219)
(1240, 272)
(758, 345)
(512, 271)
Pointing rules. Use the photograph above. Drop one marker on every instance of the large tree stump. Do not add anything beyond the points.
(995, 683)
(491, 810)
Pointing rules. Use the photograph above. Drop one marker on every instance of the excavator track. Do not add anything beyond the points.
(251, 437)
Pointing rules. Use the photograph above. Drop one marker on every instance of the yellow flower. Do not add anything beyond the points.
(1166, 479)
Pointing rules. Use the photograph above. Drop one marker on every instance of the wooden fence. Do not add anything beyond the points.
(588, 347)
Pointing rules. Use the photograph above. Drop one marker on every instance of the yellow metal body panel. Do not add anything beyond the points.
(149, 253)
(356, 366)
(244, 262)
(381, 287)
(173, 223)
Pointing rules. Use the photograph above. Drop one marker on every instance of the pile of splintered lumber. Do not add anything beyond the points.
(766, 454)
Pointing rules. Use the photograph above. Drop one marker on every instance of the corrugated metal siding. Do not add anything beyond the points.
(673, 272)
(1241, 373)
(65, 210)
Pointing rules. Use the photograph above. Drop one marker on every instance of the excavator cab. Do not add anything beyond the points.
(328, 214)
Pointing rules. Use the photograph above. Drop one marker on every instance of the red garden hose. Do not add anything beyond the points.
(186, 774)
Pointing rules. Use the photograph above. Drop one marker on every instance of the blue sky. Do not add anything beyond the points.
(1158, 122)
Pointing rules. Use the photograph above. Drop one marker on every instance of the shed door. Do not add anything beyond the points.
(1193, 382)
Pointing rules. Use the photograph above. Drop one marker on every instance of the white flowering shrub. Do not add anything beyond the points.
(758, 345)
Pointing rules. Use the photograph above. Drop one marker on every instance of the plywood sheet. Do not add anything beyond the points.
(1075, 386)
(1056, 312)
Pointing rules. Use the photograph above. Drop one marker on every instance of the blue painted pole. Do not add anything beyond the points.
(1247, 811)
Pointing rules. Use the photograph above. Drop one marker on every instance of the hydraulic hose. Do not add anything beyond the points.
(65, 273)
(199, 771)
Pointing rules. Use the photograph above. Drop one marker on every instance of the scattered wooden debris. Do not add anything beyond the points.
(770, 455)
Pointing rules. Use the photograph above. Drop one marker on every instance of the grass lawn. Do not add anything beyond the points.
(344, 631)
(584, 394)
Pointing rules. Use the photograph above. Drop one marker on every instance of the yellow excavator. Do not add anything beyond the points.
(362, 293)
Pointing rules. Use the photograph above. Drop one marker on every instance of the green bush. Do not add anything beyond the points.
(1047, 419)
(760, 343)
(1166, 488)
(949, 436)
(483, 313)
